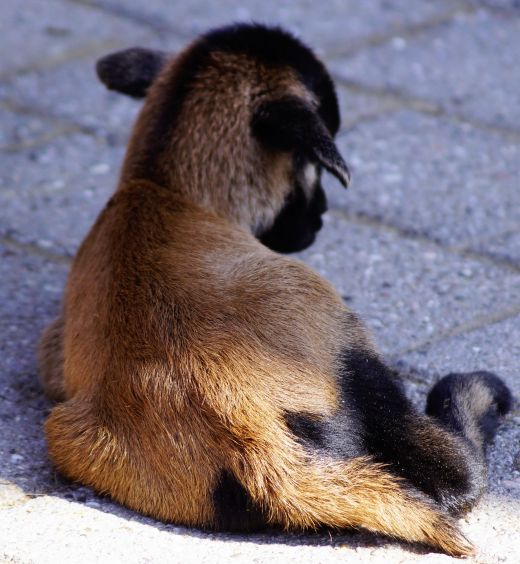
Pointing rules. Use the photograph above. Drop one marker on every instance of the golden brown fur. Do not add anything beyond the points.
(184, 340)
(239, 179)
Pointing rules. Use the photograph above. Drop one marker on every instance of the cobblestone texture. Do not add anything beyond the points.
(334, 26)
(506, 247)
(46, 32)
(424, 245)
(433, 177)
(50, 194)
(455, 65)
(390, 280)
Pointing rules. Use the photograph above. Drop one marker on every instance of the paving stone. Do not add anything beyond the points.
(494, 347)
(11, 495)
(50, 29)
(31, 530)
(407, 291)
(50, 195)
(29, 298)
(469, 66)
(47, 519)
(333, 26)
(356, 106)
(97, 531)
(73, 91)
(506, 247)
(31, 287)
(94, 527)
(94, 534)
(433, 177)
(498, 4)
(19, 131)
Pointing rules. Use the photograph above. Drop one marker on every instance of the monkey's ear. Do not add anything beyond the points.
(131, 71)
(290, 124)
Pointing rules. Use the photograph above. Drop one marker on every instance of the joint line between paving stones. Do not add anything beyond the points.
(88, 50)
(413, 30)
(372, 40)
(375, 222)
(133, 16)
(406, 31)
(401, 99)
(511, 11)
(405, 101)
(35, 250)
(66, 125)
(406, 371)
(31, 143)
(477, 323)
(63, 125)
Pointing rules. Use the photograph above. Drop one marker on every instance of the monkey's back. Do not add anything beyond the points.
(181, 334)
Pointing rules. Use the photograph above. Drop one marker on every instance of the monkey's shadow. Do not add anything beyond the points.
(352, 539)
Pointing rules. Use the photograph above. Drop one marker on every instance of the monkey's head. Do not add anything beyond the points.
(241, 122)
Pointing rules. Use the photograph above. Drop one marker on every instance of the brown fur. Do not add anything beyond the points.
(240, 180)
(184, 340)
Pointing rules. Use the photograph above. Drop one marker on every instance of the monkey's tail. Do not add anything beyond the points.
(470, 404)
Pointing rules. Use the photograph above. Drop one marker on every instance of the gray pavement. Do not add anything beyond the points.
(425, 245)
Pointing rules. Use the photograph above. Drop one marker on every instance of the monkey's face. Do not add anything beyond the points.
(299, 220)
(306, 131)
(242, 122)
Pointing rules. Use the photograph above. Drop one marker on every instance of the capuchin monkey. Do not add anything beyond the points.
(205, 379)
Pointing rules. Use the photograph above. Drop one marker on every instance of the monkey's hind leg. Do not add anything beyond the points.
(441, 455)
(50, 360)
(298, 490)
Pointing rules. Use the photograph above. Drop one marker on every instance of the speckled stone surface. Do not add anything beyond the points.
(454, 64)
(424, 245)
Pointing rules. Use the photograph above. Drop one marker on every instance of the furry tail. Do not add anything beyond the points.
(470, 404)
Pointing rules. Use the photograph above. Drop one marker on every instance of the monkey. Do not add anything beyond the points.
(205, 378)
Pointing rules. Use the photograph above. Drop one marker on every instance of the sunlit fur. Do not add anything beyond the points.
(203, 378)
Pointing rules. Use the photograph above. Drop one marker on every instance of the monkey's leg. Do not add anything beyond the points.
(50, 360)
(145, 470)
(443, 459)
(298, 490)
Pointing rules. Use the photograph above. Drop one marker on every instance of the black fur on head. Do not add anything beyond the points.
(299, 220)
(131, 71)
(275, 47)
(287, 124)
